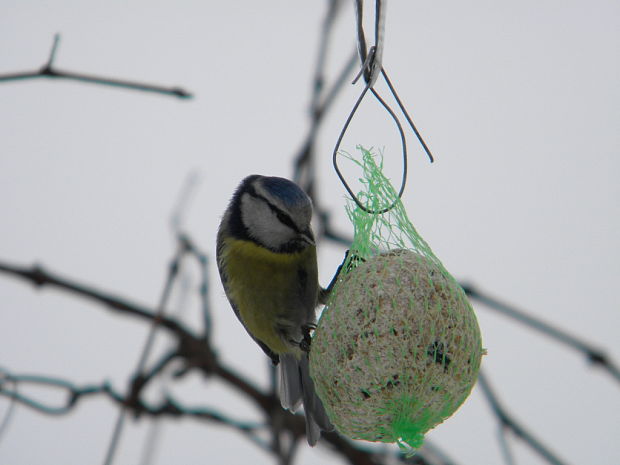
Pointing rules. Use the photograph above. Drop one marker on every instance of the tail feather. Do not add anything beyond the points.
(290, 382)
(313, 431)
(312, 402)
(296, 385)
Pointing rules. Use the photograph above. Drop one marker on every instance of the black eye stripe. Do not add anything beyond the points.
(285, 219)
(282, 216)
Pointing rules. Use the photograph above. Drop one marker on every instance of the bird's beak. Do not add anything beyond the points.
(307, 237)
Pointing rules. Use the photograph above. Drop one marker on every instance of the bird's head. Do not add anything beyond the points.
(275, 213)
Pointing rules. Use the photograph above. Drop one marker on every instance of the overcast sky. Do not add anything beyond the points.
(519, 102)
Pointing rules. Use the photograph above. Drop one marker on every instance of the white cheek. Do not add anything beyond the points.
(262, 223)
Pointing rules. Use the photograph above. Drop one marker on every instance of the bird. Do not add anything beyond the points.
(266, 257)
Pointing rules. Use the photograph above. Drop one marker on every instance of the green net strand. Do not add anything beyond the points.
(375, 233)
(397, 348)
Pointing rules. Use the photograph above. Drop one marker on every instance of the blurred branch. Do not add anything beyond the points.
(10, 410)
(203, 261)
(179, 273)
(177, 225)
(155, 427)
(595, 355)
(321, 99)
(39, 277)
(507, 422)
(191, 347)
(169, 407)
(193, 351)
(48, 70)
(140, 378)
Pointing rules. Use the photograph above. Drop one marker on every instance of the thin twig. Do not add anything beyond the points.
(193, 350)
(203, 262)
(154, 432)
(136, 387)
(40, 277)
(433, 454)
(321, 99)
(190, 346)
(10, 410)
(50, 71)
(508, 422)
(183, 203)
(169, 407)
(594, 354)
(141, 380)
(52, 57)
(503, 444)
(151, 441)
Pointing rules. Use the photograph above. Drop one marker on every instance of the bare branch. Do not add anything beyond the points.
(10, 410)
(195, 352)
(321, 99)
(39, 277)
(595, 355)
(169, 407)
(49, 71)
(508, 422)
(203, 261)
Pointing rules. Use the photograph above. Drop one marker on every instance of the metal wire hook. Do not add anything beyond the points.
(371, 62)
(341, 136)
(371, 69)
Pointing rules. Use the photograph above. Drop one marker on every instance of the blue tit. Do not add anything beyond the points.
(266, 257)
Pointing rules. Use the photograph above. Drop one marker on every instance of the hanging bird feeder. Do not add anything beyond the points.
(397, 348)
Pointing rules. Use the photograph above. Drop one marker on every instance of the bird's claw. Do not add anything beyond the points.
(306, 341)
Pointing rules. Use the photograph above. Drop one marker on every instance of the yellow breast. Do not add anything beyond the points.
(265, 287)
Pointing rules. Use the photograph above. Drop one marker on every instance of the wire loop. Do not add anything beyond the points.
(371, 69)
(341, 136)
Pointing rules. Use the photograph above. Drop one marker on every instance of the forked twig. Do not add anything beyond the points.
(49, 70)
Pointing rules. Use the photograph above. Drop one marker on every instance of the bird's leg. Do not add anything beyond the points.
(325, 292)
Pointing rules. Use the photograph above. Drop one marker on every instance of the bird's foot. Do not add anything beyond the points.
(306, 341)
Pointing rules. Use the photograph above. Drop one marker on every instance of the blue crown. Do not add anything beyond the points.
(289, 192)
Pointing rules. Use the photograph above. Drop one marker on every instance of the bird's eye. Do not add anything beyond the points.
(285, 219)
(282, 217)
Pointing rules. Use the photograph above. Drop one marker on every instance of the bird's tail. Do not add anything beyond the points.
(296, 387)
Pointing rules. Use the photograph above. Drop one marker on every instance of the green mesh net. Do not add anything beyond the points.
(397, 348)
